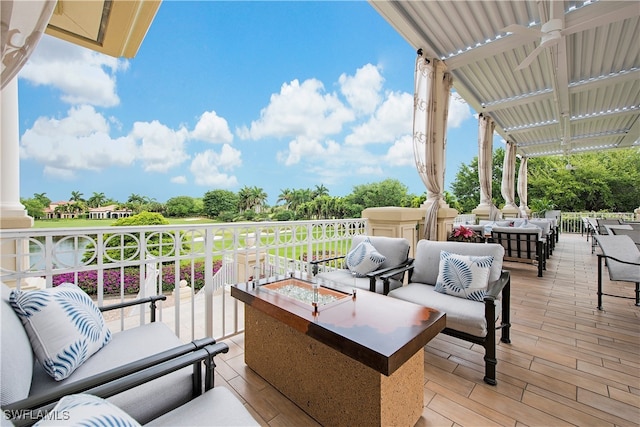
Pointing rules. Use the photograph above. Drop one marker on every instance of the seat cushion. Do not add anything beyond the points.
(64, 326)
(461, 314)
(16, 362)
(128, 346)
(216, 407)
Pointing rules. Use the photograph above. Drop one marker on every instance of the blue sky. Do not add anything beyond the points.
(229, 94)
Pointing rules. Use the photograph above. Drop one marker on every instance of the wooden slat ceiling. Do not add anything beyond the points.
(580, 93)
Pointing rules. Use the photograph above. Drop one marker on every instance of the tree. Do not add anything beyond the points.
(251, 198)
(597, 181)
(320, 190)
(217, 201)
(96, 200)
(34, 207)
(285, 196)
(180, 206)
(389, 192)
(76, 196)
(466, 186)
(42, 198)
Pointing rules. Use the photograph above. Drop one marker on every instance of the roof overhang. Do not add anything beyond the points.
(113, 27)
(580, 91)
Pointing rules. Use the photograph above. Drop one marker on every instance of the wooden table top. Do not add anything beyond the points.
(379, 331)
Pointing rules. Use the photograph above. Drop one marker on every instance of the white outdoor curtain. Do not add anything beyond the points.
(22, 25)
(522, 187)
(486, 127)
(508, 187)
(430, 110)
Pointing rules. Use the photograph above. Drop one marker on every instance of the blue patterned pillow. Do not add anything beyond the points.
(364, 258)
(64, 326)
(463, 276)
(87, 410)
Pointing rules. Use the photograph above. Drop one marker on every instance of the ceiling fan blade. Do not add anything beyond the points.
(521, 30)
(529, 59)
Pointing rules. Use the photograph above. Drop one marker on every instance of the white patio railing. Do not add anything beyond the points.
(118, 263)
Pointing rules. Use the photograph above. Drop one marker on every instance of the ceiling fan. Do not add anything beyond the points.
(550, 34)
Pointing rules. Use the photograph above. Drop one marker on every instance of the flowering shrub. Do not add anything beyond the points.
(112, 279)
(463, 234)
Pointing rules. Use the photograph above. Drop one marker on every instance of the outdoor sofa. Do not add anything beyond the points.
(474, 303)
(146, 371)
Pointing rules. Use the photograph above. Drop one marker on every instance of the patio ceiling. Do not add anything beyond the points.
(112, 27)
(580, 93)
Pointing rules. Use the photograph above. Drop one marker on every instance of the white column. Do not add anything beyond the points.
(12, 212)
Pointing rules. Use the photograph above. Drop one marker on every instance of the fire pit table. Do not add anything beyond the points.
(345, 359)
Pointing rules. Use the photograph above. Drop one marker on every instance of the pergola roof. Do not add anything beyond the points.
(580, 93)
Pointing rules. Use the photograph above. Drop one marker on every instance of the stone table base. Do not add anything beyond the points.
(331, 387)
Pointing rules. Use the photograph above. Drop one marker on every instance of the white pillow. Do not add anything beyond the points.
(86, 410)
(64, 326)
(463, 276)
(364, 258)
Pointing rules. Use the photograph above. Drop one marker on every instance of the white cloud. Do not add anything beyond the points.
(179, 179)
(300, 110)
(363, 90)
(392, 119)
(212, 128)
(206, 167)
(401, 152)
(59, 174)
(83, 76)
(459, 111)
(311, 149)
(369, 170)
(79, 141)
(161, 148)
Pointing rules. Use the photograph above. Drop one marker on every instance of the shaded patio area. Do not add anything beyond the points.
(568, 363)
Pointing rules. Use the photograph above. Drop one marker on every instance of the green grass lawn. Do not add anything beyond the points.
(81, 222)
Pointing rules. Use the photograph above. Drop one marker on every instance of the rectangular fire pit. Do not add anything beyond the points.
(355, 361)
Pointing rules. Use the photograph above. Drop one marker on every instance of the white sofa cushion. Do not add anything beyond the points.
(394, 249)
(16, 362)
(64, 326)
(427, 258)
(463, 276)
(461, 314)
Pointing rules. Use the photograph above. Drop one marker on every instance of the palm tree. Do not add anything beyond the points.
(76, 196)
(285, 196)
(97, 200)
(320, 190)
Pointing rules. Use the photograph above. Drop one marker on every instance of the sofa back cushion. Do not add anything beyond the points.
(394, 249)
(427, 259)
(16, 361)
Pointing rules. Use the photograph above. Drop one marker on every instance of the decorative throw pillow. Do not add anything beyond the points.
(64, 326)
(463, 276)
(364, 258)
(86, 410)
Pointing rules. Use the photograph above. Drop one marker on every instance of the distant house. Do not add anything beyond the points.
(52, 212)
(109, 212)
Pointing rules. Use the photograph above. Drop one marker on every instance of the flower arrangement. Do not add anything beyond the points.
(463, 234)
